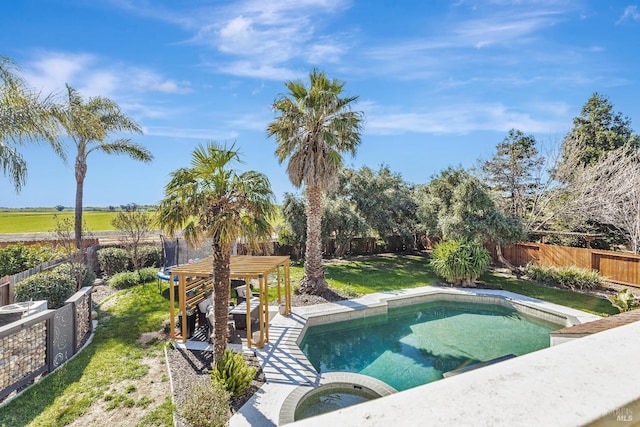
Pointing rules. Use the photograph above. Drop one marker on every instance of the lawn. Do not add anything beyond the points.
(43, 221)
(111, 368)
(392, 272)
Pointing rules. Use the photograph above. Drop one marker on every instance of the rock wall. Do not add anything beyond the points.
(23, 353)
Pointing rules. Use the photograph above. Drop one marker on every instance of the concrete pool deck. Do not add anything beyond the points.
(286, 367)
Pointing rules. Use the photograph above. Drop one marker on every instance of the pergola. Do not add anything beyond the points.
(196, 280)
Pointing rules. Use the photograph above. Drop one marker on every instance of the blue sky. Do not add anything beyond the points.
(440, 82)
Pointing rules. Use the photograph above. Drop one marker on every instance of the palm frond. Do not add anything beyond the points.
(209, 199)
(126, 147)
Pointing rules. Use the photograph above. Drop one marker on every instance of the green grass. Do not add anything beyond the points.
(93, 375)
(392, 272)
(584, 302)
(372, 274)
(381, 273)
(43, 221)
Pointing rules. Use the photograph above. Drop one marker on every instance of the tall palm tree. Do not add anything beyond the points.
(211, 200)
(24, 116)
(314, 128)
(88, 124)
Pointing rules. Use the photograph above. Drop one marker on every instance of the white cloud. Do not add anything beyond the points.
(320, 53)
(51, 71)
(146, 80)
(93, 75)
(463, 119)
(259, 34)
(261, 71)
(152, 110)
(630, 12)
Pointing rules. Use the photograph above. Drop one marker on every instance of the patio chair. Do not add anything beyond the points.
(169, 260)
(241, 292)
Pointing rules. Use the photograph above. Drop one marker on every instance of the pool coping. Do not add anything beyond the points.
(286, 367)
(290, 404)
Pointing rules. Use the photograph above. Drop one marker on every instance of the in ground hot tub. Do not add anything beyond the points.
(336, 390)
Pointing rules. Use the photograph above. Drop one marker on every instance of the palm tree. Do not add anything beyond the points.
(211, 200)
(314, 128)
(23, 117)
(88, 125)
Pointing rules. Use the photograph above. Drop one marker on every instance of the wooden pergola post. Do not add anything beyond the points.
(247, 284)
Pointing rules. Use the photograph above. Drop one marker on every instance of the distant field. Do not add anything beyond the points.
(41, 221)
(34, 222)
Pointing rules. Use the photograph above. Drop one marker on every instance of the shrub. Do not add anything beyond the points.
(233, 372)
(207, 405)
(147, 274)
(124, 279)
(151, 255)
(18, 257)
(566, 277)
(128, 279)
(113, 260)
(623, 301)
(55, 287)
(459, 262)
(88, 276)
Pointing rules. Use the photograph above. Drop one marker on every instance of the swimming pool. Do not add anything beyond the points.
(416, 344)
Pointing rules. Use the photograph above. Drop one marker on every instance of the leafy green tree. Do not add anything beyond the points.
(89, 124)
(596, 131)
(475, 216)
(24, 117)
(512, 172)
(342, 223)
(211, 200)
(384, 200)
(315, 126)
(295, 231)
(434, 200)
(456, 205)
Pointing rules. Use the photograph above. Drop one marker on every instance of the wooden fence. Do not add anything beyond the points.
(617, 267)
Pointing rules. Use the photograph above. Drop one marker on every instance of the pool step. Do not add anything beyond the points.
(478, 365)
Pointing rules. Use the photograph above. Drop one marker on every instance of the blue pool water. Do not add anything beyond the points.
(415, 345)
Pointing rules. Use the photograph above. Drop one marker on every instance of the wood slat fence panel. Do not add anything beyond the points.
(619, 267)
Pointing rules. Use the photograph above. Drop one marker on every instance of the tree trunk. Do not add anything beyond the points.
(81, 172)
(220, 297)
(502, 259)
(313, 281)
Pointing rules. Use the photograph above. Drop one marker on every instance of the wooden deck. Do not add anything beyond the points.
(599, 325)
